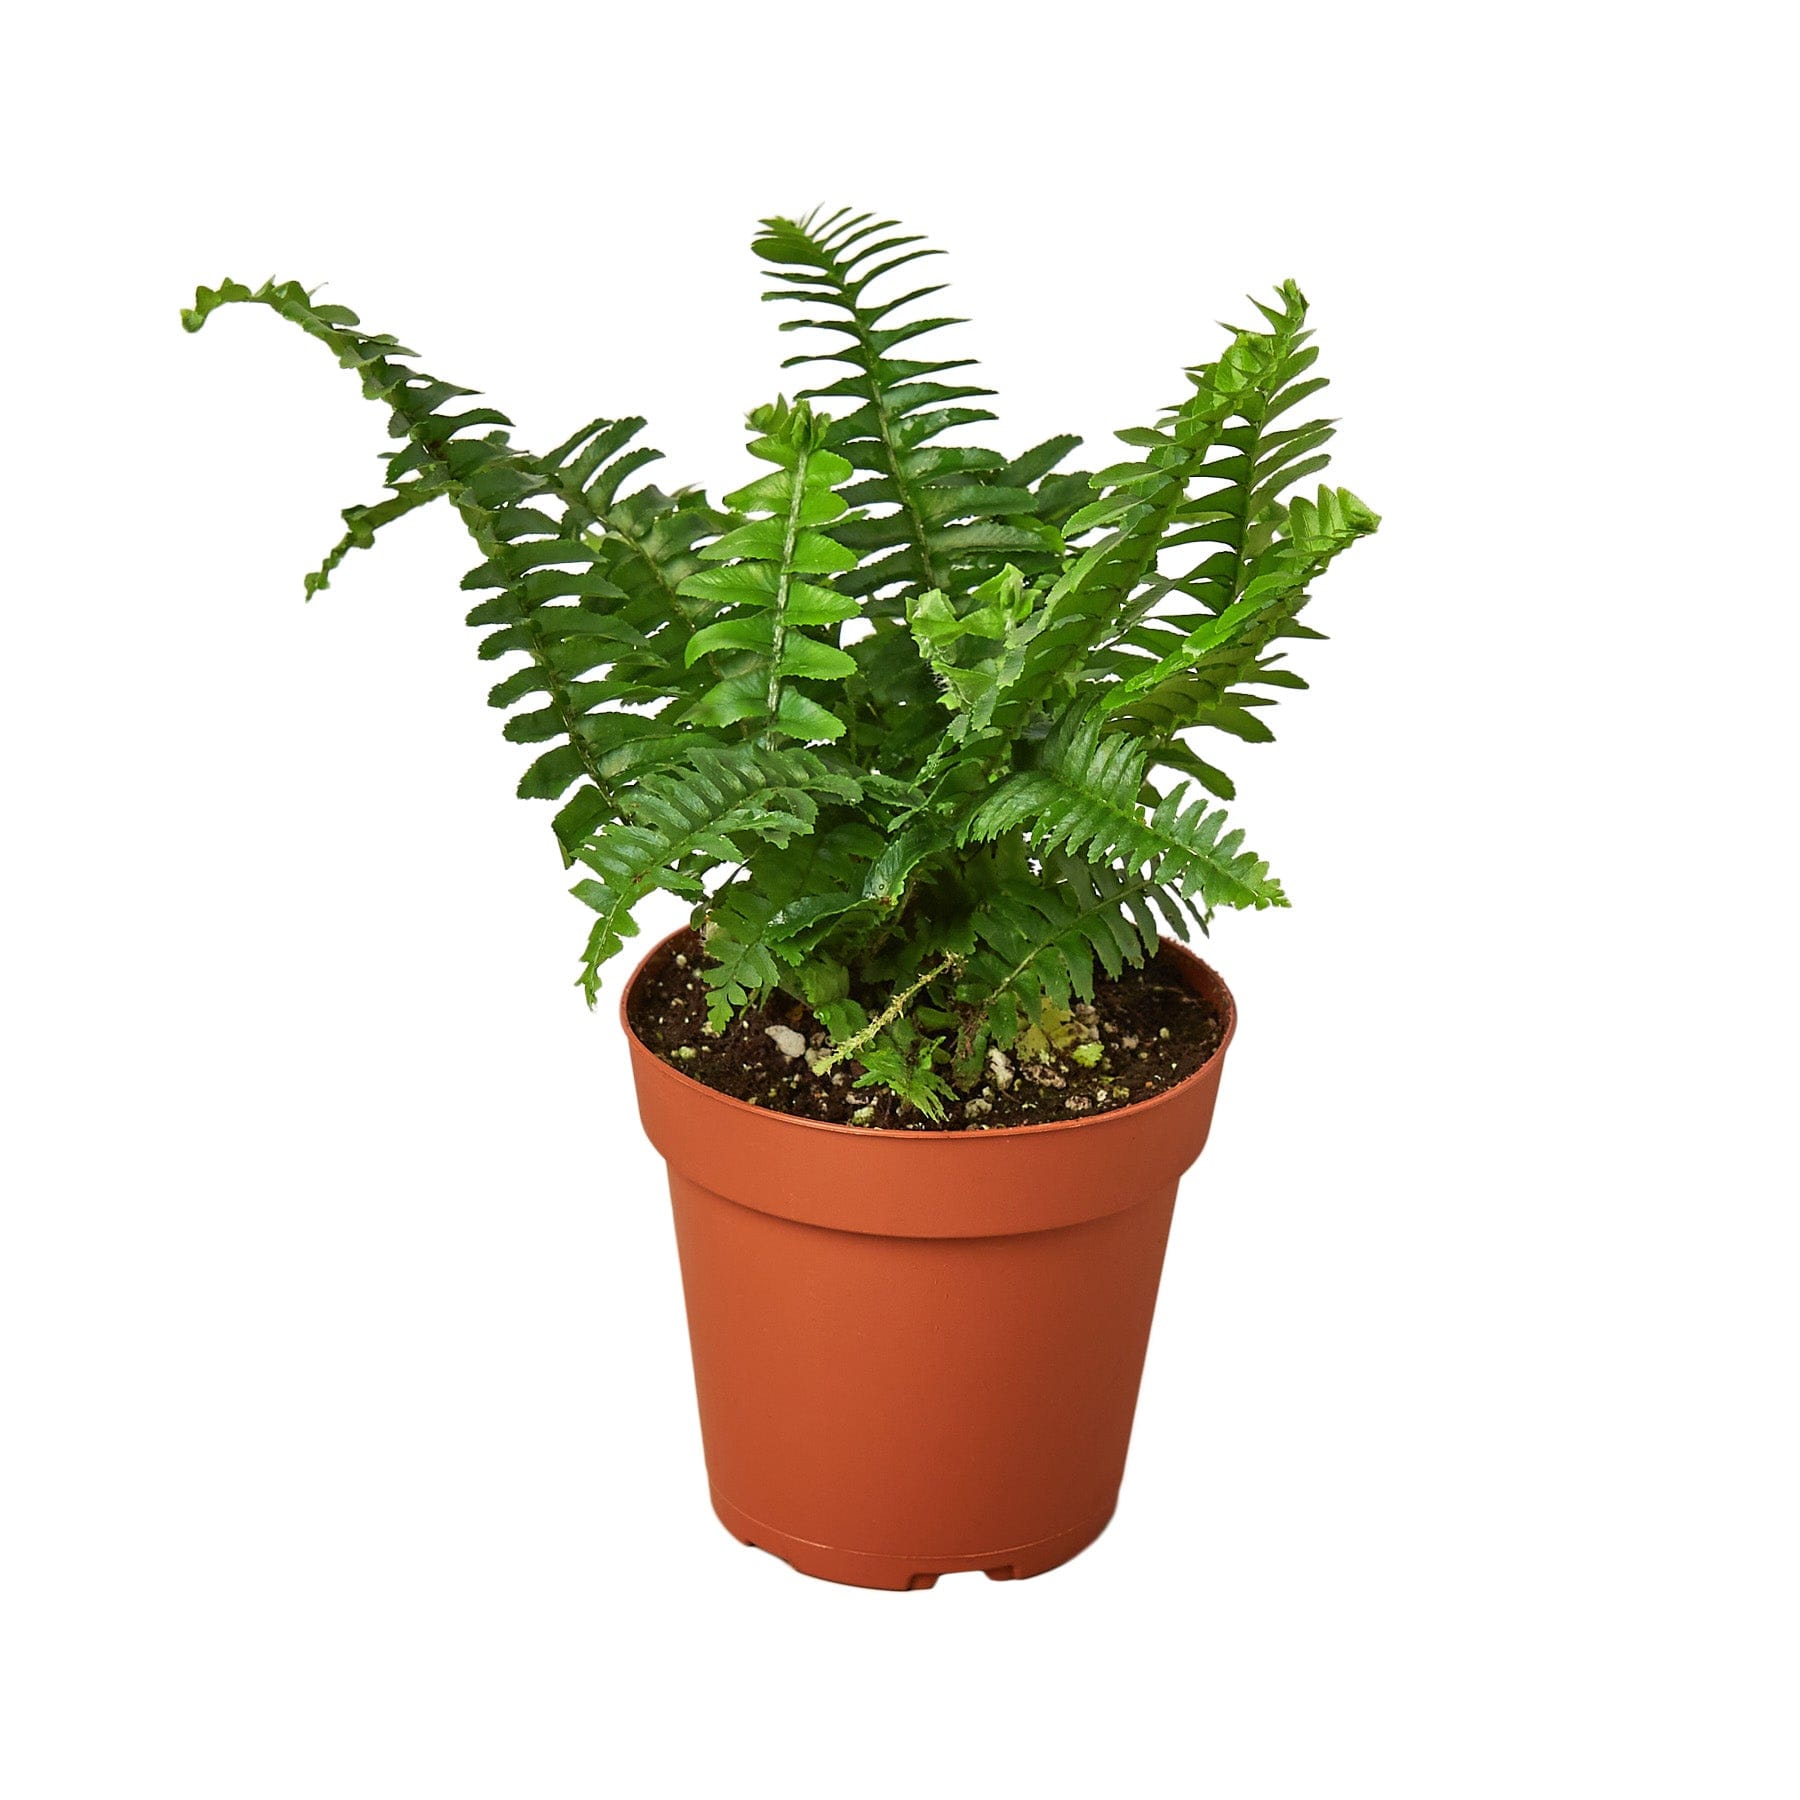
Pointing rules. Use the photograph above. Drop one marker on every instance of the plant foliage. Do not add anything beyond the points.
(888, 714)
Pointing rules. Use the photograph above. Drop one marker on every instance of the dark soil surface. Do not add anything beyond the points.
(1151, 1032)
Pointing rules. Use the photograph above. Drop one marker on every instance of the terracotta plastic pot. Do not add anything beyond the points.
(919, 1352)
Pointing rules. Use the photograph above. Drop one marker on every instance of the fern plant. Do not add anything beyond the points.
(889, 715)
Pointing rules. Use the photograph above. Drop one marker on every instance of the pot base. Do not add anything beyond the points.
(860, 1568)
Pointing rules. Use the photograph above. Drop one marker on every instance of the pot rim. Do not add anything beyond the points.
(885, 1134)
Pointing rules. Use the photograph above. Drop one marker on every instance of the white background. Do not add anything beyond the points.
(348, 1439)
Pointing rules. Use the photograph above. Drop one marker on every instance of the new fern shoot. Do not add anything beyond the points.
(891, 714)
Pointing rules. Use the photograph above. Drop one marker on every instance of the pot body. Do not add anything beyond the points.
(919, 1352)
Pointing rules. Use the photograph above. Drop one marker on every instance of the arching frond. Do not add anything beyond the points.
(589, 643)
(362, 522)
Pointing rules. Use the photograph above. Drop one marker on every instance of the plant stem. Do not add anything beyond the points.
(894, 1008)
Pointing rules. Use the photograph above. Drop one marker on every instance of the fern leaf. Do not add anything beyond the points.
(533, 558)
(1251, 465)
(680, 821)
(1147, 506)
(1041, 942)
(901, 406)
(1199, 681)
(902, 1060)
(483, 475)
(766, 584)
(976, 653)
(1083, 798)
(362, 523)
(764, 928)
(648, 541)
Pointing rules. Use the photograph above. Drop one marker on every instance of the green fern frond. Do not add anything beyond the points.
(977, 652)
(1251, 465)
(1084, 798)
(766, 583)
(620, 558)
(1041, 942)
(649, 548)
(1057, 494)
(764, 926)
(1200, 680)
(946, 504)
(1146, 505)
(903, 1060)
(681, 821)
(362, 522)
(486, 480)
(553, 599)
